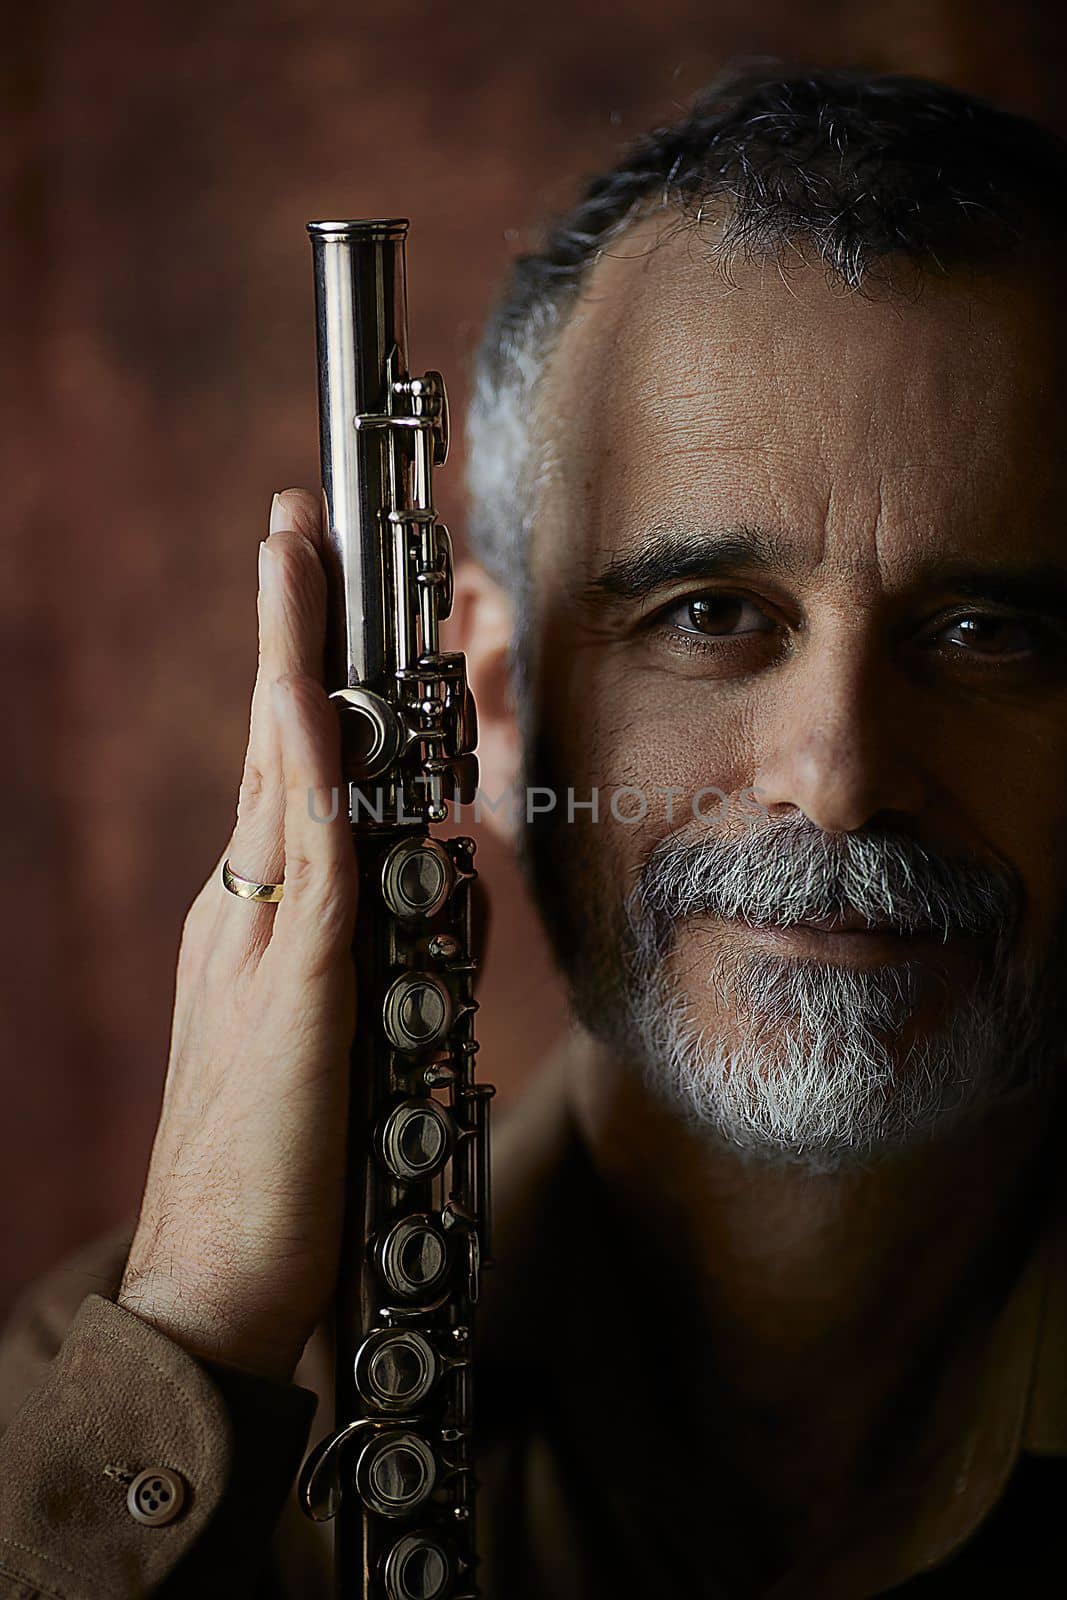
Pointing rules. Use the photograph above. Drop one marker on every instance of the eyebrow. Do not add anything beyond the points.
(671, 554)
(1041, 586)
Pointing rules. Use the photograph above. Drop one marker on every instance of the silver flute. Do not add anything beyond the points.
(396, 1474)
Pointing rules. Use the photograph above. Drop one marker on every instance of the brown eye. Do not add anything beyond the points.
(718, 615)
(993, 635)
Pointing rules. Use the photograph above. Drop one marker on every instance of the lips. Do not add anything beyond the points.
(848, 922)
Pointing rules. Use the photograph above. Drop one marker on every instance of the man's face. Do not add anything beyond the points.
(807, 551)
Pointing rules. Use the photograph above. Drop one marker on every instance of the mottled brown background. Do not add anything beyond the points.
(159, 165)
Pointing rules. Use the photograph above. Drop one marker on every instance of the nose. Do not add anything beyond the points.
(839, 743)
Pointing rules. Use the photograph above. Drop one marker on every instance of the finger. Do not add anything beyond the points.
(292, 626)
(299, 511)
(315, 919)
(292, 619)
(292, 604)
(293, 629)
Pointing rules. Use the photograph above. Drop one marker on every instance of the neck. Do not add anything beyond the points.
(820, 1302)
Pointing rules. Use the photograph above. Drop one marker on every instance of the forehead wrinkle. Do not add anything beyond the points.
(816, 451)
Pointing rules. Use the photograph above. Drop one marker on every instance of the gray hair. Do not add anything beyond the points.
(865, 170)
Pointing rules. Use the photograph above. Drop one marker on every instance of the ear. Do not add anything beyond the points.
(481, 625)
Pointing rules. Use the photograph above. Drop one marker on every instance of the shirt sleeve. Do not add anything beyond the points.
(133, 1469)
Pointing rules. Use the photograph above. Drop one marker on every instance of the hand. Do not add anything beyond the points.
(235, 1252)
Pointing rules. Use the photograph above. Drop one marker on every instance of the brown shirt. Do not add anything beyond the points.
(90, 1396)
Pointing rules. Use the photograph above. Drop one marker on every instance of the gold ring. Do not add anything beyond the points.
(249, 889)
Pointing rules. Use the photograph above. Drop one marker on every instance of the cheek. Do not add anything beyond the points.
(996, 781)
(661, 754)
(1019, 801)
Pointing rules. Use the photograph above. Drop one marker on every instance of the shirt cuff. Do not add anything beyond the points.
(122, 1400)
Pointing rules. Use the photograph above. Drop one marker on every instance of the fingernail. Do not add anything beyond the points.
(278, 519)
(266, 563)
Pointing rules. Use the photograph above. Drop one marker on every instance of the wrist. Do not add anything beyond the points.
(201, 1317)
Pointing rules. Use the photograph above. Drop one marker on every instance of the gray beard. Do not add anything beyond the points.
(811, 1069)
(817, 1078)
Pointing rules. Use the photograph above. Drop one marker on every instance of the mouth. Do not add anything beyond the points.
(851, 922)
(847, 937)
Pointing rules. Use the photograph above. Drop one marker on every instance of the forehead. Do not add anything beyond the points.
(863, 430)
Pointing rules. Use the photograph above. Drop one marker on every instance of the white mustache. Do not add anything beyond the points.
(792, 871)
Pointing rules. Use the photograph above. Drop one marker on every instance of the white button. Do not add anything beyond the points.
(155, 1496)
